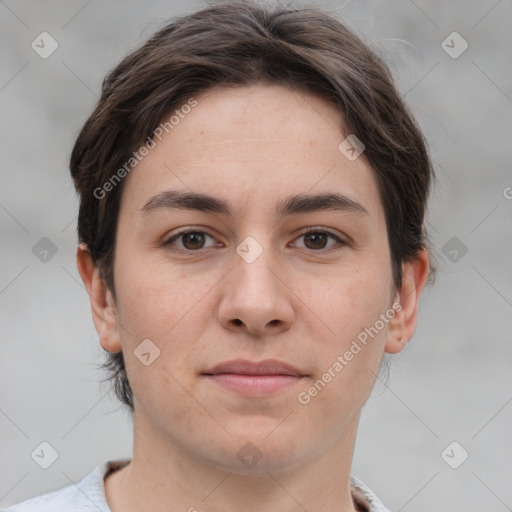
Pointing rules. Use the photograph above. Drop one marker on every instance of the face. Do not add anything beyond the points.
(255, 302)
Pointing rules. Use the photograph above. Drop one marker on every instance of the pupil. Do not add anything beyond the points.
(318, 240)
(196, 239)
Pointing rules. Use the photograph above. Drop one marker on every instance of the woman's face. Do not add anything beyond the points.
(287, 265)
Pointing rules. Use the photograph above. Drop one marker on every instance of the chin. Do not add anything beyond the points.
(249, 460)
(259, 451)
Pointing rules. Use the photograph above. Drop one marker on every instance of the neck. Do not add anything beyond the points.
(164, 476)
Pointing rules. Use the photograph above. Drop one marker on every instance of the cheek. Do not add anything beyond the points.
(350, 349)
(345, 302)
(167, 306)
(154, 296)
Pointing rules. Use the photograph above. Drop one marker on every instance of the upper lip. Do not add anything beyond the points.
(244, 367)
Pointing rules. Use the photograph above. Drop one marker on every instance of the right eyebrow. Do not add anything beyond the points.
(172, 200)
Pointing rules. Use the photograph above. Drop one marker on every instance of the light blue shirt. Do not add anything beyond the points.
(88, 495)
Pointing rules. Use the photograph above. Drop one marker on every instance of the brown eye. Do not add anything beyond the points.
(317, 239)
(188, 241)
(193, 240)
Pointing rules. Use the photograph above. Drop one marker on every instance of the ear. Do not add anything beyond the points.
(104, 312)
(403, 325)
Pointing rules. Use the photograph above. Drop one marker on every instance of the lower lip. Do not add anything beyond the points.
(254, 384)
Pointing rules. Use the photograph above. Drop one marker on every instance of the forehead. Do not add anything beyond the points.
(252, 146)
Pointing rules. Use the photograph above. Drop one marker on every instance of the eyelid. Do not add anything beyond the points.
(185, 231)
(318, 229)
(311, 229)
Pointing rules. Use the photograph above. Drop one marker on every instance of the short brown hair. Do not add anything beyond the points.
(240, 43)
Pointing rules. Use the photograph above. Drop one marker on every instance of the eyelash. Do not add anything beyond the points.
(176, 236)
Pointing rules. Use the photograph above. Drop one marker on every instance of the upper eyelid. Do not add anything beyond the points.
(339, 239)
(310, 229)
(188, 230)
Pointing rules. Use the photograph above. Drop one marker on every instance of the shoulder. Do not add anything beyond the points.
(84, 496)
(365, 497)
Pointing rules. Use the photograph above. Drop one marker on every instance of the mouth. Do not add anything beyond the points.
(254, 378)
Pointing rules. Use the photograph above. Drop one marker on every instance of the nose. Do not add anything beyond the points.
(255, 298)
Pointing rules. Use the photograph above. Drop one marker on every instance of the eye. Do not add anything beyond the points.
(195, 240)
(316, 239)
(191, 240)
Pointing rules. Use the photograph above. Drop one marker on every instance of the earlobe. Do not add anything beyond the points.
(396, 340)
(402, 327)
(395, 344)
(104, 313)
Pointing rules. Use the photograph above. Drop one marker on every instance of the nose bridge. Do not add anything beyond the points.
(253, 295)
(253, 263)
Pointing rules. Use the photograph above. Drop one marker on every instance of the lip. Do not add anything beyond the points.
(254, 378)
(245, 367)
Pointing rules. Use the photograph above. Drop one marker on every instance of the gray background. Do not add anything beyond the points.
(452, 382)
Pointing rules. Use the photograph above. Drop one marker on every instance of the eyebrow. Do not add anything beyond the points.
(293, 205)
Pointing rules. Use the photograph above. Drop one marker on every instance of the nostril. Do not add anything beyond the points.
(237, 321)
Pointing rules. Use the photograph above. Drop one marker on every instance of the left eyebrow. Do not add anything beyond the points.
(319, 202)
(293, 205)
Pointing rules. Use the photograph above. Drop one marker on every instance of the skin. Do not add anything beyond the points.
(297, 302)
